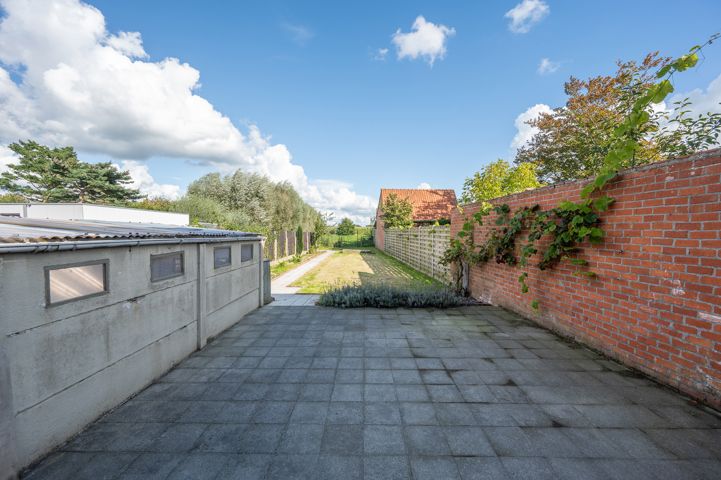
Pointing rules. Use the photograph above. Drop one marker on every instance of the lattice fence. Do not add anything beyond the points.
(421, 248)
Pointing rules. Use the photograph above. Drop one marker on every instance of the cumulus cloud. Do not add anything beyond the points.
(424, 186)
(7, 157)
(524, 132)
(83, 86)
(144, 181)
(547, 66)
(425, 40)
(702, 101)
(526, 14)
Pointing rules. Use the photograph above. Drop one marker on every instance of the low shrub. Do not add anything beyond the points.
(384, 296)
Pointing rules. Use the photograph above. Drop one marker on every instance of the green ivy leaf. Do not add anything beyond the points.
(601, 204)
(535, 304)
(596, 235)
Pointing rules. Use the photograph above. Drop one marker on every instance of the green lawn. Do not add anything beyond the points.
(360, 267)
(280, 268)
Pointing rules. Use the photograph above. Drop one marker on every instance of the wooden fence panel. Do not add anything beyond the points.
(421, 248)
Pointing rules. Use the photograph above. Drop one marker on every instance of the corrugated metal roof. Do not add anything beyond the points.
(14, 231)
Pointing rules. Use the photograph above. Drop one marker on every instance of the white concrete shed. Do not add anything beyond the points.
(91, 312)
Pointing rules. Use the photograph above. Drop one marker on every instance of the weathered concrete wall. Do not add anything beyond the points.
(655, 302)
(68, 364)
(231, 291)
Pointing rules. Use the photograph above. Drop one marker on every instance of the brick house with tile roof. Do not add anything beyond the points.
(429, 207)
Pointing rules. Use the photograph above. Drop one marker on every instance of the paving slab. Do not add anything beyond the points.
(472, 393)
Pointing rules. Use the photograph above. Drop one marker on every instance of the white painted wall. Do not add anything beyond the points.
(68, 364)
(77, 211)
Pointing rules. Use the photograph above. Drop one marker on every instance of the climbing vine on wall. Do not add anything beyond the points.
(570, 223)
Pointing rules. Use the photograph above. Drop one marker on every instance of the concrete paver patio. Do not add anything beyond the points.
(471, 393)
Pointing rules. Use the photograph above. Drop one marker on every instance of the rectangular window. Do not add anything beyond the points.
(221, 257)
(165, 266)
(246, 253)
(64, 283)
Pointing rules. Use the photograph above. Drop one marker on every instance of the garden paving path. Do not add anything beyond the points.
(468, 393)
(281, 285)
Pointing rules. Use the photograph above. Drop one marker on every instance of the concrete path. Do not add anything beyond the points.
(281, 284)
(293, 300)
(321, 393)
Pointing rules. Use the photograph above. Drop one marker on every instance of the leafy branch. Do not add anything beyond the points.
(569, 224)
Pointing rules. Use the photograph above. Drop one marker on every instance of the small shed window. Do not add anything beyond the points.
(221, 257)
(246, 253)
(167, 265)
(64, 283)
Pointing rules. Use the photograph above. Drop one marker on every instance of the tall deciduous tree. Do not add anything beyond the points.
(397, 212)
(345, 227)
(497, 179)
(44, 174)
(573, 140)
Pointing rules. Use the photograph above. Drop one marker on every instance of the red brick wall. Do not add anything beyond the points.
(656, 304)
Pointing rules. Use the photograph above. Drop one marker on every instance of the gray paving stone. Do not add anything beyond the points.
(349, 376)
(152, 465)
(347, 393)
(418, 414)
(200, 466)
(178, 438)
(444, 393)
(454, 414)
(302, 439)
(426, 440)
(345, 413)
(480, 468)
(471, 393)
(343, 440)
(293, 467)
(528, 469)
(333, 467)
(382, 413)
(378, 376)
(468, 441)
(434, 468)
(412, 393)
(309, 412)
(316, 392)
(383, 440)
(260, 438)
(386, 468)
(406, 377)
(246, 467)
(379, 393)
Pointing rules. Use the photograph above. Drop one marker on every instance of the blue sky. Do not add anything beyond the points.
(307, 75)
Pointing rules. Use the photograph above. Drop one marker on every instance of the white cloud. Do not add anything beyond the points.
(426, 40)
(7, 157)
(524, 132)
(547, 66)
(702, 101)
(300, 34)
(424, 186)
(526, 14)
(144, 181)
(128, 43)
(380, 54)
(83, 86)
